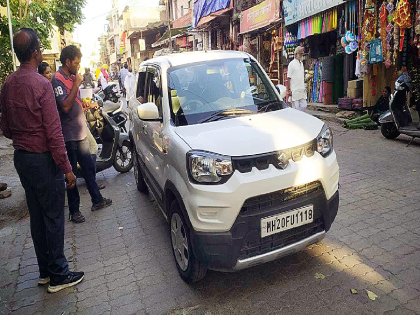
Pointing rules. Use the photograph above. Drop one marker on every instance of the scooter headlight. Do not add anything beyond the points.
(325, 141)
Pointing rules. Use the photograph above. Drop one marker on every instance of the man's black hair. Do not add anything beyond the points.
(125, 66)
(25, 43)
(388, 88)
(42, 67)
(69, 52)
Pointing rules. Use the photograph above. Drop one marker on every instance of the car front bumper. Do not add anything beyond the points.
(242, 247)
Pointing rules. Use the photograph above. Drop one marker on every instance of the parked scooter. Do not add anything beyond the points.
(114, 110)
(114, 146)
(398, 120)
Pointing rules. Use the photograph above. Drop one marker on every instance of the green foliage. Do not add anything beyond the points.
(67, 13)
(39, 15)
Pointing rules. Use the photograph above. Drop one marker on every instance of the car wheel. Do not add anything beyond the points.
(123, 161)
(140, 183)
(389, 131)
(189, 268)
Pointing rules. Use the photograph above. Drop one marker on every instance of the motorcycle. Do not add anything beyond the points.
(398, 119)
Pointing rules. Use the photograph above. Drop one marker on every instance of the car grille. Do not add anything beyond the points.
(261, 203)
(254, 245)
(244, 164)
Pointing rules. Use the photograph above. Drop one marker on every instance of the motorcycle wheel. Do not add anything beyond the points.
(123, 161)
(389, 131)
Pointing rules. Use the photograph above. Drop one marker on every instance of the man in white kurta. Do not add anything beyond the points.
(296, 85)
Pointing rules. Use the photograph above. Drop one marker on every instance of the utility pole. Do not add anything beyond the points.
(11, 35)
(169, 24)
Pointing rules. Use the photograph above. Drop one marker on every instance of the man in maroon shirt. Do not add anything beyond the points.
(30, 118)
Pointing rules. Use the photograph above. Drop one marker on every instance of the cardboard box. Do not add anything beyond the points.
(356, 84)
(354, 93)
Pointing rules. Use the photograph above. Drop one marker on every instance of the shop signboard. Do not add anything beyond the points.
(260, 15)
(296, 10)
(142, 44)
(183, 21)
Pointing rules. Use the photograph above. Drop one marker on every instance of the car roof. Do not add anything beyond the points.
(179, 59)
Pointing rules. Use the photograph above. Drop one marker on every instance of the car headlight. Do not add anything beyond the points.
(325, 141)
(209, 168)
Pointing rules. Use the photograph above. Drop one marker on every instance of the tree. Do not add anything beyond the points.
(39, 15)
(67, 13)
(24, 13)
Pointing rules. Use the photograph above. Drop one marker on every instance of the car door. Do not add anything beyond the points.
(154, 151)
(136, 125)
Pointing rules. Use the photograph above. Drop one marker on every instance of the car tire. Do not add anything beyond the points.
(140, 183)
(189, 267)
(389, 131)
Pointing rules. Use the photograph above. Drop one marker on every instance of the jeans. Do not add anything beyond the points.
(78, 152)
(45, 191)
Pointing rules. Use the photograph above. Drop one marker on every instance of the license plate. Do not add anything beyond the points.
(286, 221)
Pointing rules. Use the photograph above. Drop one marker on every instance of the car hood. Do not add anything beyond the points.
(253, 134)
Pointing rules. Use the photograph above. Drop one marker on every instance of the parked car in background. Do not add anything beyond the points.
(242, 178)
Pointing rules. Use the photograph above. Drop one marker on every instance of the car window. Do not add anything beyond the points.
(153, 91)
(141, 83)
(201, 89)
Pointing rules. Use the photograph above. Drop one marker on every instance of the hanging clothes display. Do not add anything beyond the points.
(318, 24)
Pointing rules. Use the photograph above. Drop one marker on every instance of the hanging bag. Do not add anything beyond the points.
(375, 54)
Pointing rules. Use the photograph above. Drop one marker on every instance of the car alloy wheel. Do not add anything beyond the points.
(180, 242)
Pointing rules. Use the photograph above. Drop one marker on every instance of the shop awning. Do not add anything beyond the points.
(293, 14)
(175, 33)
(149, 27)
(212, 16)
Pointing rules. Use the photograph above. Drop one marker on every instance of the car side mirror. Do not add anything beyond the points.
(282, 91)
(148, 111)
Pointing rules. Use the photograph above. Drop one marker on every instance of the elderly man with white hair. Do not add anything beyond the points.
(296, 83)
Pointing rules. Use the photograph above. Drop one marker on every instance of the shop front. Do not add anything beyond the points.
(212, 24)
(260, 31)
(328, 31)
(390, 44)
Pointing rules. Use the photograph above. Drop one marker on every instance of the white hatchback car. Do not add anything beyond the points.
(242, 178)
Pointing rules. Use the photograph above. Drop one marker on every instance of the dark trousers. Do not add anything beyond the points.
(45, 191)
(78, 152)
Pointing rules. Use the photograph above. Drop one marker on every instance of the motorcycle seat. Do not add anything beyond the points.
(109, 106)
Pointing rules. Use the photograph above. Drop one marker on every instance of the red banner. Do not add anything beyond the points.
(260, 15)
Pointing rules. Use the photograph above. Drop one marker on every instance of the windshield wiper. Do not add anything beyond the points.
(226, 112)
(265, 105)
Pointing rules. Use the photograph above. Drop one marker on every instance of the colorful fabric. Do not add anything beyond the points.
(402, 14)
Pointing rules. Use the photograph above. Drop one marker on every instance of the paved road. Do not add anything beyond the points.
(125, 251)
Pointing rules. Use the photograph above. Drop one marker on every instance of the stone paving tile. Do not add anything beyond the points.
(374, 244)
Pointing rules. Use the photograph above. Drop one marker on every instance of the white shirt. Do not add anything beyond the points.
(130, 86)
(104, 84)
(123, 75)
(296, 73)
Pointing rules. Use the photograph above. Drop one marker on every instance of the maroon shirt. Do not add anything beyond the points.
(29, 115)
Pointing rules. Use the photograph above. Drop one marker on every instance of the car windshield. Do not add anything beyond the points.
(220, 89)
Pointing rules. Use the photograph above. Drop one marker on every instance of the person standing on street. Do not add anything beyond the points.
(88, 79)
(123, 75)
(66, 82)
(296, 84)
(30, 119)
(130, 86)
(103, 77)
(44, 69)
